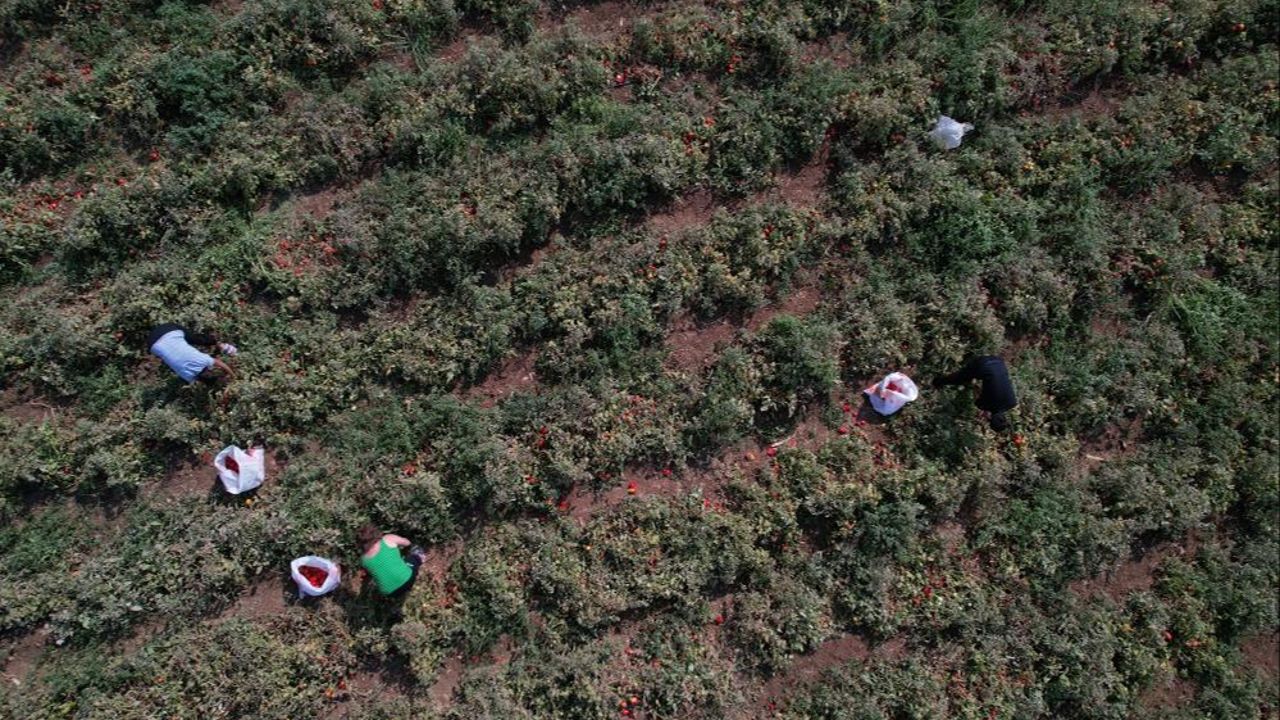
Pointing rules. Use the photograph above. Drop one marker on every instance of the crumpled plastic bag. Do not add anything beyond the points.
(240, 471)
(890, 394)
(948, 132)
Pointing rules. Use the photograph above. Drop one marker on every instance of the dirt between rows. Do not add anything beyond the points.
(1168, 694)
(22, 655)
(743, 460)
(515, 375)
(1133, 575)
(692, 346)
(196, 477)
(1262, 653)
(25, 410)
(602, 21)
(1115, 442)
(806, 670)
(804, 188)
(607, 21)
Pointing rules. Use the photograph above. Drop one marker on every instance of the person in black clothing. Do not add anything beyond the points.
(997, 395)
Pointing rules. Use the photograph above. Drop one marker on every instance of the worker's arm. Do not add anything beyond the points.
(396, 541)
(963, 375)
(225, 368)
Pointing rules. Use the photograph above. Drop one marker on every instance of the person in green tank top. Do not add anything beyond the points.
(382, 559)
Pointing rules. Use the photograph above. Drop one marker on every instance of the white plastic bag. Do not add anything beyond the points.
(240, 471)
(890, 394)
(333, 576)
(948, 132)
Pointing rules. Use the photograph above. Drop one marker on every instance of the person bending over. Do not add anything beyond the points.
(996, 397)
(175, 345)
(382, 559)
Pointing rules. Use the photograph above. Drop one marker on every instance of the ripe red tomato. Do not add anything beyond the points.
(314, 575)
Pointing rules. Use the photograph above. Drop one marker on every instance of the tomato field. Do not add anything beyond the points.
(581, 298)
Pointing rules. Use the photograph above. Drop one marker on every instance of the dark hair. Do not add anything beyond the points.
(368, 535)
(999, 422)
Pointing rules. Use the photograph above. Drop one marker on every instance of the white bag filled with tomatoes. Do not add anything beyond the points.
(315, 575)
(890, 394)
(240, 471)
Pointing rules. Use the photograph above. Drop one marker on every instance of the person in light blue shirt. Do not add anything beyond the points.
(175, 345)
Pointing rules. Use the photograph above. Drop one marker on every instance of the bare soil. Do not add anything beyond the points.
(1130, 576)
(141, 635)
(1094, 105)
(1171, 693)
(808, 669)
(440, 558)
(523, 266)
(321, 203)
(1262, 653)
(799, 302)
(22, 655)
(1116, 441)
(401, 59)
(186, 479)
(834, 48)
(692, 346)
(196, 477)
(363, 687)
(804, 188)
(603, 21)
(441, 691)
(30, 410)
(692, 210)
(454, 51)
(649, 482)
(270, 596)
(516, 375)
(744, 460)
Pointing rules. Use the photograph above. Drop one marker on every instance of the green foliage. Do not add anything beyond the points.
(774, 627)
(581, 298)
